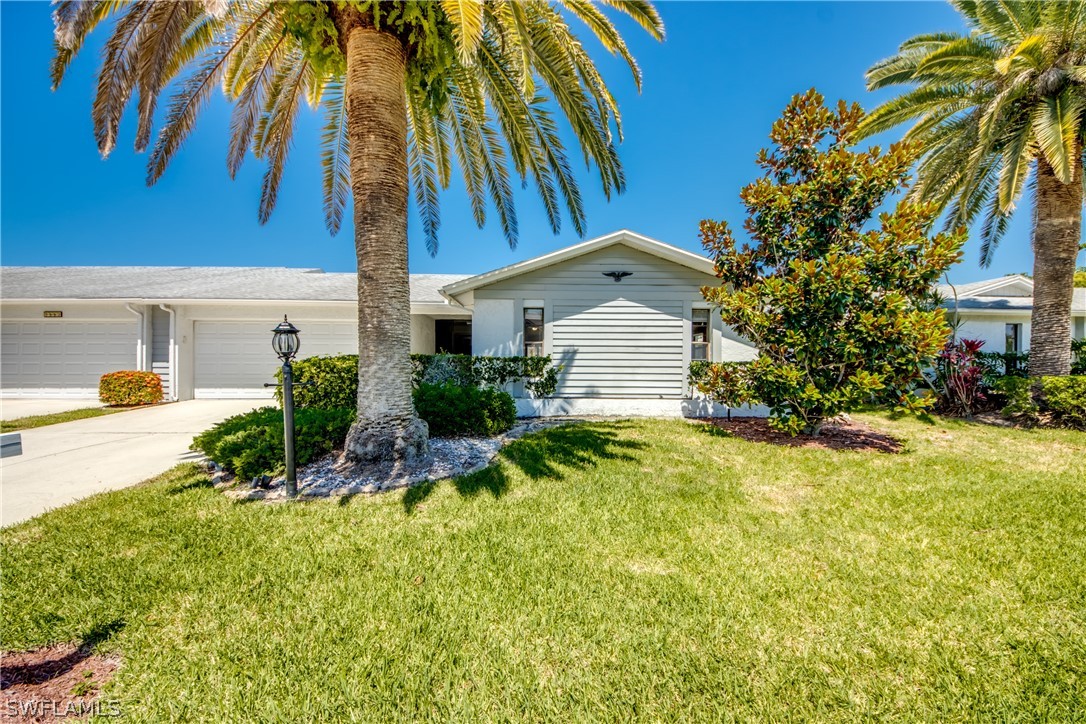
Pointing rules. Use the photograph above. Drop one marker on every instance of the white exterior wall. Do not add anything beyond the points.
(991, 329)
(629, 339)
(494, 327)
(422, 334)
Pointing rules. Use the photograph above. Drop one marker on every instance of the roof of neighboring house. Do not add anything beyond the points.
(624, 236)
(166, 283)
(1010, 293)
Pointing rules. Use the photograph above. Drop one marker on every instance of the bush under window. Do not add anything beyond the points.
(335, 378)
(454, 410)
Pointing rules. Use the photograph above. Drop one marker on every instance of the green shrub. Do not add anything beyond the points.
(251, 444)
(1015, 394)
(1078, 356)
(1065, 399)
(335, 379)
(1059, 401)
(540, 377)
(130, 387)
(452, 410)
(332, 382)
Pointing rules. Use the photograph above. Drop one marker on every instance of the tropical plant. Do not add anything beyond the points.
(960, 377)
(841, 314)
(409, 90)
(999, 110)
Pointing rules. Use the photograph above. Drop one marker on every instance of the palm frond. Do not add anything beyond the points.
(254, 91)
(117, 76)
(279, 130)
(166, 25)
(73, 21)
(466, 18)
(642, 12)
(335, 155)
(1056, 125)
(422, 168)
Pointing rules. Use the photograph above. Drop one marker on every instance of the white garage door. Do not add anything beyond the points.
(619, 348)
(63, 358)
(235, 359)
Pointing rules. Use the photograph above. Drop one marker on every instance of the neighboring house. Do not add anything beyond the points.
(997, 311)
(623, 315)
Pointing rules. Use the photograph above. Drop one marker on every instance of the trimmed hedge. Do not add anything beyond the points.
(335, 378)
(454, 410)
(1016, 364)
(1058, 401)
(251, 444)
(129, 388)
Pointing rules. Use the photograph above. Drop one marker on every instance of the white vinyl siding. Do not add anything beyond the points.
(160, 345)
(619, 347)
(627, 339)
(62, 357)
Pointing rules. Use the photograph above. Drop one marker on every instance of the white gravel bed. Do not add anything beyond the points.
(330, 477)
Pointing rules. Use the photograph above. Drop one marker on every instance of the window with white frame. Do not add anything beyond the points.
(1014, 338)
(699, 338)
(533, 331)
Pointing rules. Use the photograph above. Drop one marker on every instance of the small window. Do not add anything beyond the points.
(699, 327)
(533, 332)
(1014, 337)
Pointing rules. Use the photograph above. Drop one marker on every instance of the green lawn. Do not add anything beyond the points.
(53, 418)
(651, 569)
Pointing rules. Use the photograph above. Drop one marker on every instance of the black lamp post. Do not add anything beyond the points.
(285, 343)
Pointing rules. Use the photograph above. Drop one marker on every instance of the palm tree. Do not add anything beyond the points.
(998, 111)
(407, 88)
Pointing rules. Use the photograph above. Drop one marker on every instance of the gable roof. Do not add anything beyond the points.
(624, 236)
(175, 283)
(1010, 293)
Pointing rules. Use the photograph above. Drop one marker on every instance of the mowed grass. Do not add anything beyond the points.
(54, 418)
(647, 569)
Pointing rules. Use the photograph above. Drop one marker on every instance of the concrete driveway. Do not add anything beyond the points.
(12, 408)
(63, 463)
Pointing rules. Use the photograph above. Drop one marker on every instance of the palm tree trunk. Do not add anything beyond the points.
(1057, 234)
(387, 429)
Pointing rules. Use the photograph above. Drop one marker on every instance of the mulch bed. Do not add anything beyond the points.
(48, 684)
(836, 435)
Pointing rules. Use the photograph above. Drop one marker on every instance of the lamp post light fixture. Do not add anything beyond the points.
(285, 342)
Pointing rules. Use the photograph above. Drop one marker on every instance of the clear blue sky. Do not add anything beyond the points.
(711, 91)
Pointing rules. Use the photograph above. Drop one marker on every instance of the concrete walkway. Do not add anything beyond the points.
(63, 463)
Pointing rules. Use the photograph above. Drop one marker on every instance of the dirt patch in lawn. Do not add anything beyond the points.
(836, 435)
(47, 684)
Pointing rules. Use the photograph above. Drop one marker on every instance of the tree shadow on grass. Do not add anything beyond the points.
(44, 665)
(547, 454)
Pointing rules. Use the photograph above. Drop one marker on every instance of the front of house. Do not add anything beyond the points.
(622, 314)
(997, 312)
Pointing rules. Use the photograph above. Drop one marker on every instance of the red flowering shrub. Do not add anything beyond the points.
(959, 377)
(129, 387)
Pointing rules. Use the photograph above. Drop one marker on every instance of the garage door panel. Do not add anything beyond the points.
(63, 357)
(235, 359)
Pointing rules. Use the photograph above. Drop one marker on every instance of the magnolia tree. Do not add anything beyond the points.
(841, 310)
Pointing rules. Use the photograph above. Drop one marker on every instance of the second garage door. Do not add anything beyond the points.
(235, 359)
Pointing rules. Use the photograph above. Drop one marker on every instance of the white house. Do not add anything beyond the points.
(623, 314)
(997, 311)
